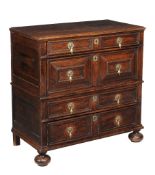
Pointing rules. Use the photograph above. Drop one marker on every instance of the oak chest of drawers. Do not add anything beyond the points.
(75, 82)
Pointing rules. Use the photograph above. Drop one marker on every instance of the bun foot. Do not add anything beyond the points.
(42, 159)
(136, 136)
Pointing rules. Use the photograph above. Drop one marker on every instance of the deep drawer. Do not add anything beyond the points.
(79, 72)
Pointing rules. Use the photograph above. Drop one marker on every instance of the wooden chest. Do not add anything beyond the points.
(75, 82)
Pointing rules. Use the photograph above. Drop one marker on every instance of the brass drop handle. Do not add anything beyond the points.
(118, 68)
(70, 74)
(119, 42)
(71, 47)
(118, 120)
(70, 107)
(69, 131)
(117, 98)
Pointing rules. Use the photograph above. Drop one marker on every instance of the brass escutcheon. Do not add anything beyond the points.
(95, 58)
(95, 118)
(96, 41)
(95, 97)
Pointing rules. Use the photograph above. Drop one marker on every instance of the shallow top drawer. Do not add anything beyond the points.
(71, 46)
(120, 40)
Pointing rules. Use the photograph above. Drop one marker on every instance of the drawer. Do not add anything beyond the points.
(71, 46)
(117, 98)
(95, 101)
(117, 119)
(69, 106)
(88, 126)
(118, 65)
(68, 130)
(69, 73)
(120, 40)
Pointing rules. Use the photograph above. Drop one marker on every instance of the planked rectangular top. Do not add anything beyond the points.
(67, 30)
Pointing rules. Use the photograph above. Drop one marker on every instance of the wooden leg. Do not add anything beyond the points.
(136, 136)
(16, 140)
(42, 159)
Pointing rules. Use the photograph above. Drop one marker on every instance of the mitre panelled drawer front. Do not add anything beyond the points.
(69, 106)
(71, 46)
(117, 98)
(117, 119)
(85, 71)
(69, 130)
(120, 40)
(74, 72)
(118, 66)
(90, 103)
(90, 125)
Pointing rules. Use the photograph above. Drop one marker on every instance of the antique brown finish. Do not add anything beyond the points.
(75, 82)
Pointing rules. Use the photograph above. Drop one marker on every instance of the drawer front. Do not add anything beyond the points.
(69, 106)
(117, 119)
(69, 73)
(92, 102)
(120, 40)
(92, 125)
(69, 130)
(118, 65)
(70, 46)
(117, 98)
